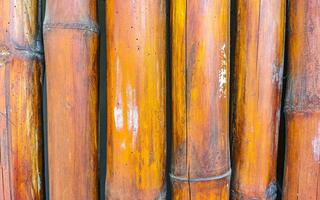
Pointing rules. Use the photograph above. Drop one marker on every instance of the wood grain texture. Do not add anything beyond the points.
(20, 101)
(136, 94)
(302, 175)
(200, 96)
(70, 41)
(257, 97)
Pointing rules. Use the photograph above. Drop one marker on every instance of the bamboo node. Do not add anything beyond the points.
(91, 27)
(6, 53)
(204, 179)
(305, 108)
(29, 53)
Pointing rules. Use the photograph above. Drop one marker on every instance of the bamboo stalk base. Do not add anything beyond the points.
(269, 194)
(209, 190)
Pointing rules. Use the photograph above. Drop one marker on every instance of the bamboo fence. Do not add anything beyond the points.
(168, 99)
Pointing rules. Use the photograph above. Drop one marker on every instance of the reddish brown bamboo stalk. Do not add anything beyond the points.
(70, 41)
(302, 175)
(136, 66)
(258, 86)
(200, 75)
(20, 101)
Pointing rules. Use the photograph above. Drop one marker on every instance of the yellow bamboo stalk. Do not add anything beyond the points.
(136, 63)
(20, 101)
(200, 95)
(302, 175)
(70, 41)
(257, 96)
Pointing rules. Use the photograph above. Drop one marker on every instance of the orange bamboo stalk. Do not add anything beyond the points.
(302, 107)
(200, 77)
(70, 41)
(136, 128)
(258, 86)
(20, 101)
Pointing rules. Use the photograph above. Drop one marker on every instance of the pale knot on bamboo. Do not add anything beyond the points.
(4, 55)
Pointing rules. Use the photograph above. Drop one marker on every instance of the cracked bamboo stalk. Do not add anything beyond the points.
(70, 41)
(258, 87)
(21, 130)
(302, 175)
(200, 95)
(136, 93)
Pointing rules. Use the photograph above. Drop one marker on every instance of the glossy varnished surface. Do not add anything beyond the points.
(257, 96)
(302, 175)
(200, 92)
(136, 63)
(70, 41)
(20, 101)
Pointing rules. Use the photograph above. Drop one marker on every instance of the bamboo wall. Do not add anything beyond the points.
(159, 99)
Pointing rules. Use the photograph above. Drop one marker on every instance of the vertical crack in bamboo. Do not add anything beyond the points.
(71, 45)
(186, 96)
(200, 78)
(20, 101)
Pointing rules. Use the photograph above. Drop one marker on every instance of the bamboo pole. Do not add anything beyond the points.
(70, 41)
(20, 101)
(200, 79)
(302, 107)
(136, 108)
(258, 86)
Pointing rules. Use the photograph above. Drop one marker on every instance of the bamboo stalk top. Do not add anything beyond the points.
(303, 91)
(20, 30)
(71, 14)
(19, 24)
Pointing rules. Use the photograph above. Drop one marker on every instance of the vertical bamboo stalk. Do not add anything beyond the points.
(200, 77)
(136, 63)
(302, 175)
(20, 101)
(258, 86)
(70, 41)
